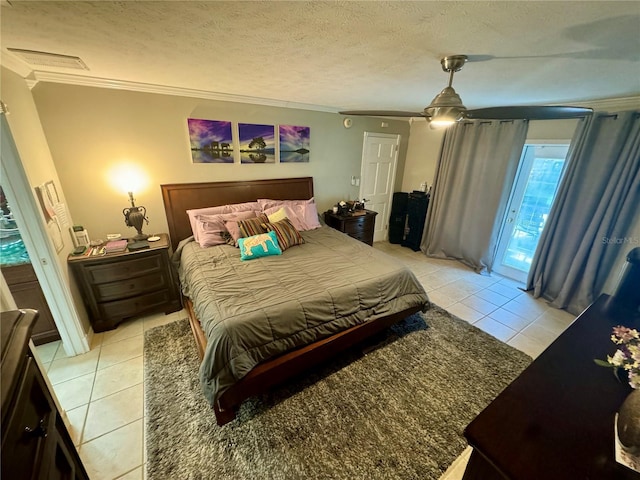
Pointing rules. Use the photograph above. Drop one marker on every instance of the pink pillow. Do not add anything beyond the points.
(234, 207)
(210, 228)
(267, 203)
(304, 214)
(293, 217)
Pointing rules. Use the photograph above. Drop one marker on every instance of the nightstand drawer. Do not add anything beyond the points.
(124, 269)
(134, 306)
(130, 287)
(355, 227)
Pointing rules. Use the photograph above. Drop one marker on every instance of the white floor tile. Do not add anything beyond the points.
(125, 330)
(114, 454)
(75, 392)
(137, 474)
(529, 312)
(161, 319)
(508, 291)
(73, 367)
(76, 419)
(528, 345)
(120, 351)
(117, 377)
(480, 304)
(47, 351)
(440, 299)
(539, 333)
(112, 412)
(496, 329)
(509, 319)
(464, 312)
(493, 297)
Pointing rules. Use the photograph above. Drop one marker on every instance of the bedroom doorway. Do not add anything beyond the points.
(539, 174)
(378, 174)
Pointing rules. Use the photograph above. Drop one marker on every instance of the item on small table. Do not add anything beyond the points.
(141, 245)
(115, 246)
(154, 238)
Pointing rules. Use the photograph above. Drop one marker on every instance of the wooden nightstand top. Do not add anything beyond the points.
(352, 215)
(158, 244)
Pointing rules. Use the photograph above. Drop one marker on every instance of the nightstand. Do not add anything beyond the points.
(119, 286)
(359, 225)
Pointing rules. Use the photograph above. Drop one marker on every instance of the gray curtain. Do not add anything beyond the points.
(472, 184)
(592, 214)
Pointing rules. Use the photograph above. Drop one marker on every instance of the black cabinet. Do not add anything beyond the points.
(398, 218)
(408, 215)
(417, 204)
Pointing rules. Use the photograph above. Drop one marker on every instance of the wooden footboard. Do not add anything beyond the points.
(288, 365)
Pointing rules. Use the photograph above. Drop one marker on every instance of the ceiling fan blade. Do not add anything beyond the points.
(382, 113)
(543, 112)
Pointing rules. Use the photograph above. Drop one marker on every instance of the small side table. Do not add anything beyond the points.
(359, 225)
(118, 286)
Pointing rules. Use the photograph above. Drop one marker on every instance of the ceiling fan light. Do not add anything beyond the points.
(442, 117)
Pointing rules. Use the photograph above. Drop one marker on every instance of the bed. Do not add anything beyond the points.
(261, 322)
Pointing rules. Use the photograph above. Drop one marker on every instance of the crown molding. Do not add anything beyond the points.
(14, 64)
(610, 104)
(54, 77)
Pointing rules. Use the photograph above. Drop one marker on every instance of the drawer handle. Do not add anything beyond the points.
(39, 431)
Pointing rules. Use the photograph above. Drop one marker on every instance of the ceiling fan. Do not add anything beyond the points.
(447, 108)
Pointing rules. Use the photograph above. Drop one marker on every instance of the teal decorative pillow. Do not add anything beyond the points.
(258, 246)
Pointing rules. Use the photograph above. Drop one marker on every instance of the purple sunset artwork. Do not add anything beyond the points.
(257, 143)
(211, 141)
(294, 143)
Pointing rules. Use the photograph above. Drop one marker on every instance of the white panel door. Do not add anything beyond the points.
(379, 160)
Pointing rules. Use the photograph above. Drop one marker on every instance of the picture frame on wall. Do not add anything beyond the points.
(294, 143)
(211, 141)
(257, 143)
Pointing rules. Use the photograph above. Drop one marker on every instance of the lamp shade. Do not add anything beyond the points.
(445, 109)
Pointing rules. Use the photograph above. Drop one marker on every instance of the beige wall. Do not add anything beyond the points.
(35, 155)
(423, 152)
(92, 130)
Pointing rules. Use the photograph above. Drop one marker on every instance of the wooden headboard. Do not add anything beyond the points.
(180, 197)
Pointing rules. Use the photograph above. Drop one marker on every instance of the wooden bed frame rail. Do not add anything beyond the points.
(278, 370)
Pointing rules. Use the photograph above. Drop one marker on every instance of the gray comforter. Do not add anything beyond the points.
(253, 310)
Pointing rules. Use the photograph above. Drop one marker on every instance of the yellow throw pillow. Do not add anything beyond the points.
(277, 216)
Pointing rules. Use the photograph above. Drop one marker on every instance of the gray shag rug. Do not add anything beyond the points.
(396, 412)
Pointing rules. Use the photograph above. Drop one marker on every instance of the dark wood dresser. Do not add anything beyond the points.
(556, 420)
(35, 441)
(27, 293)
(359, 225)
(119, 286)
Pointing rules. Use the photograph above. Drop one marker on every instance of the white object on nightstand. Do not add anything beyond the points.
(155, 238)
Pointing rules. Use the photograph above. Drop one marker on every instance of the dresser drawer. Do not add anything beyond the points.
(128, 288)
(134, 306)
(124, 269)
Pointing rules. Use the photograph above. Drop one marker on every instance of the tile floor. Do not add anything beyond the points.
(103, 390)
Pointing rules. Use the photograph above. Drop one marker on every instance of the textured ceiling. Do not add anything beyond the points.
(355, 55)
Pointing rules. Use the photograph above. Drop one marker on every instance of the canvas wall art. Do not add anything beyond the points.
(294, 143)
(257, 143)
(211, 141)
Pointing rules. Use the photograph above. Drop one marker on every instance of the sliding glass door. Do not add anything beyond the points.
(541, 168)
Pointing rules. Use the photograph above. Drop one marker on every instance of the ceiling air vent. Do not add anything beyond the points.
(46, 59)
